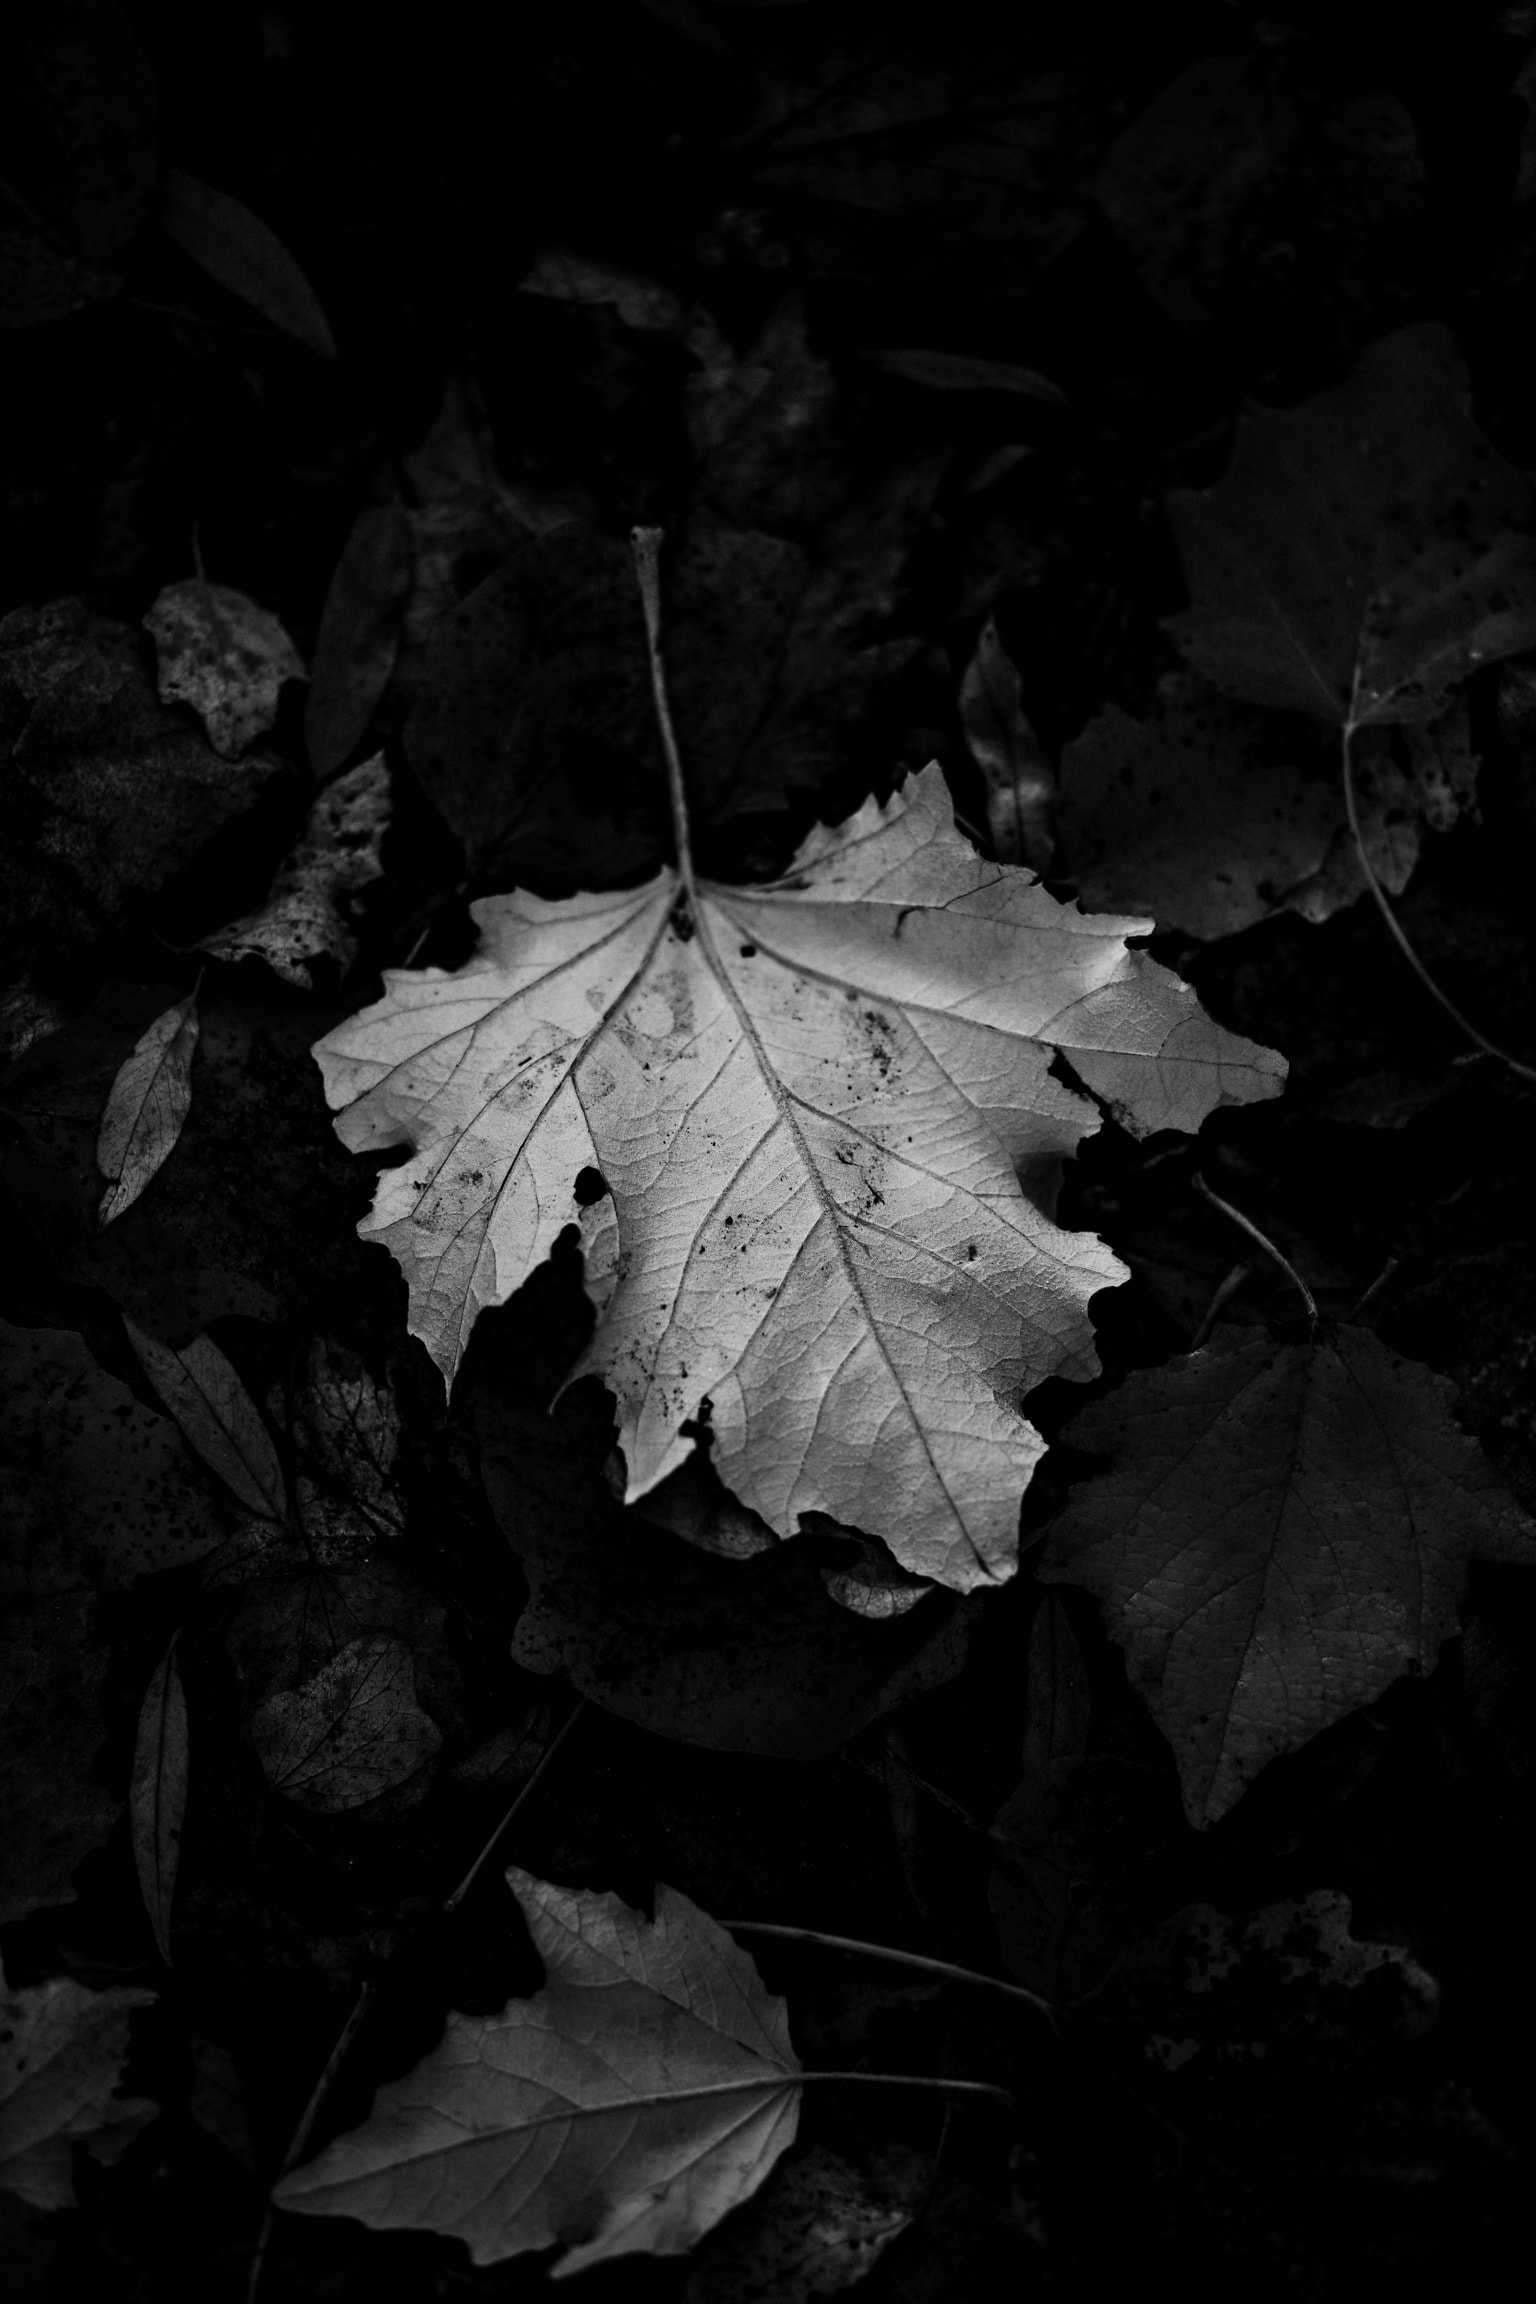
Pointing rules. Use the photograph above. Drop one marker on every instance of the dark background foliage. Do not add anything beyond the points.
(962, 180)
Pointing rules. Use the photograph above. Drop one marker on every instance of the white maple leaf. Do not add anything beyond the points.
(811, 1104)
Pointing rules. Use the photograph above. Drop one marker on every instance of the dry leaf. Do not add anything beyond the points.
(157, 1795)
(225, 656)
(245, 256)
(217, 1417)
(151, 1097)
(963, 372)
(62, 2051)
(352, 1731)
(1365, 550)
(359, 636)
(302, 919)
(809, 1103)
(1284, 1530)
(818, 2226)
(629, 2105)
(1021, 783)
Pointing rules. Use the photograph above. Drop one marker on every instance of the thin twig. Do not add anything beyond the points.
(452, 1903)
(645, 543)
(1376, 1286)
(1237, 1278)
(1394, 926)
(899, 1959)
(310, 2114)
(1246, 1224)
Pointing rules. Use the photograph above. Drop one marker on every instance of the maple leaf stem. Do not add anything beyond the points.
(756, 2085)
(1246, 1224)
(452, 1903)
(307, 2119)
(645, 543)
(899, 1959)
(1395, 929)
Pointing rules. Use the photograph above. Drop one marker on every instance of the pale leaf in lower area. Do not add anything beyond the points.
(147, 1107)
(808, 1107)
(643, 2093)
(62, 2052)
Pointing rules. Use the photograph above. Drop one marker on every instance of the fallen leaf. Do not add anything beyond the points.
(106, 792)
(346, 1430)
(94, 1488)
(962, 372)
(217, 2100)
(1213, 815)
(1284, 1969)
(53, 1667)
(872, 1585)
(359, 637)
(225, 656)
(217, 1417)
(245, 256)
(817, 2227)
(808, 1103)
(1242, 188)
(1365, 550)
(643, 2093)
(1021, 783)
(62, 2052)
(151, 1097)
(303, 920)
(350, 1732)
(157, 1795)
(1283, 1531)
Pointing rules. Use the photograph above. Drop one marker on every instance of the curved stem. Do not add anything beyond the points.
(1246, 1224)
(645, 543)
(452, 1903)
(307, 2119)
(1394, 928)
(898, 1959)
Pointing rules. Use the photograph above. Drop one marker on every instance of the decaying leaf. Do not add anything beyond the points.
(151, 1097)
(106, 791)
(1212, 815)
(1365, 550)
(303, 919)
(62, 2051)
(243, 255)
(1021, 783)
(1295, 1967)
(216, 1415)
(818, 2226)
(157, 1795)
(359, 636)
(352, 1730)
(225, 656)
(645, 2091)
(346, 1428)
(1284, 1529)
(809, 1103)
(94, 1488)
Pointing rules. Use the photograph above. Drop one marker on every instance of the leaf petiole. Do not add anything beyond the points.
(1246, 1224)
(645, 543)
(899, 1959)
(1395, 928)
